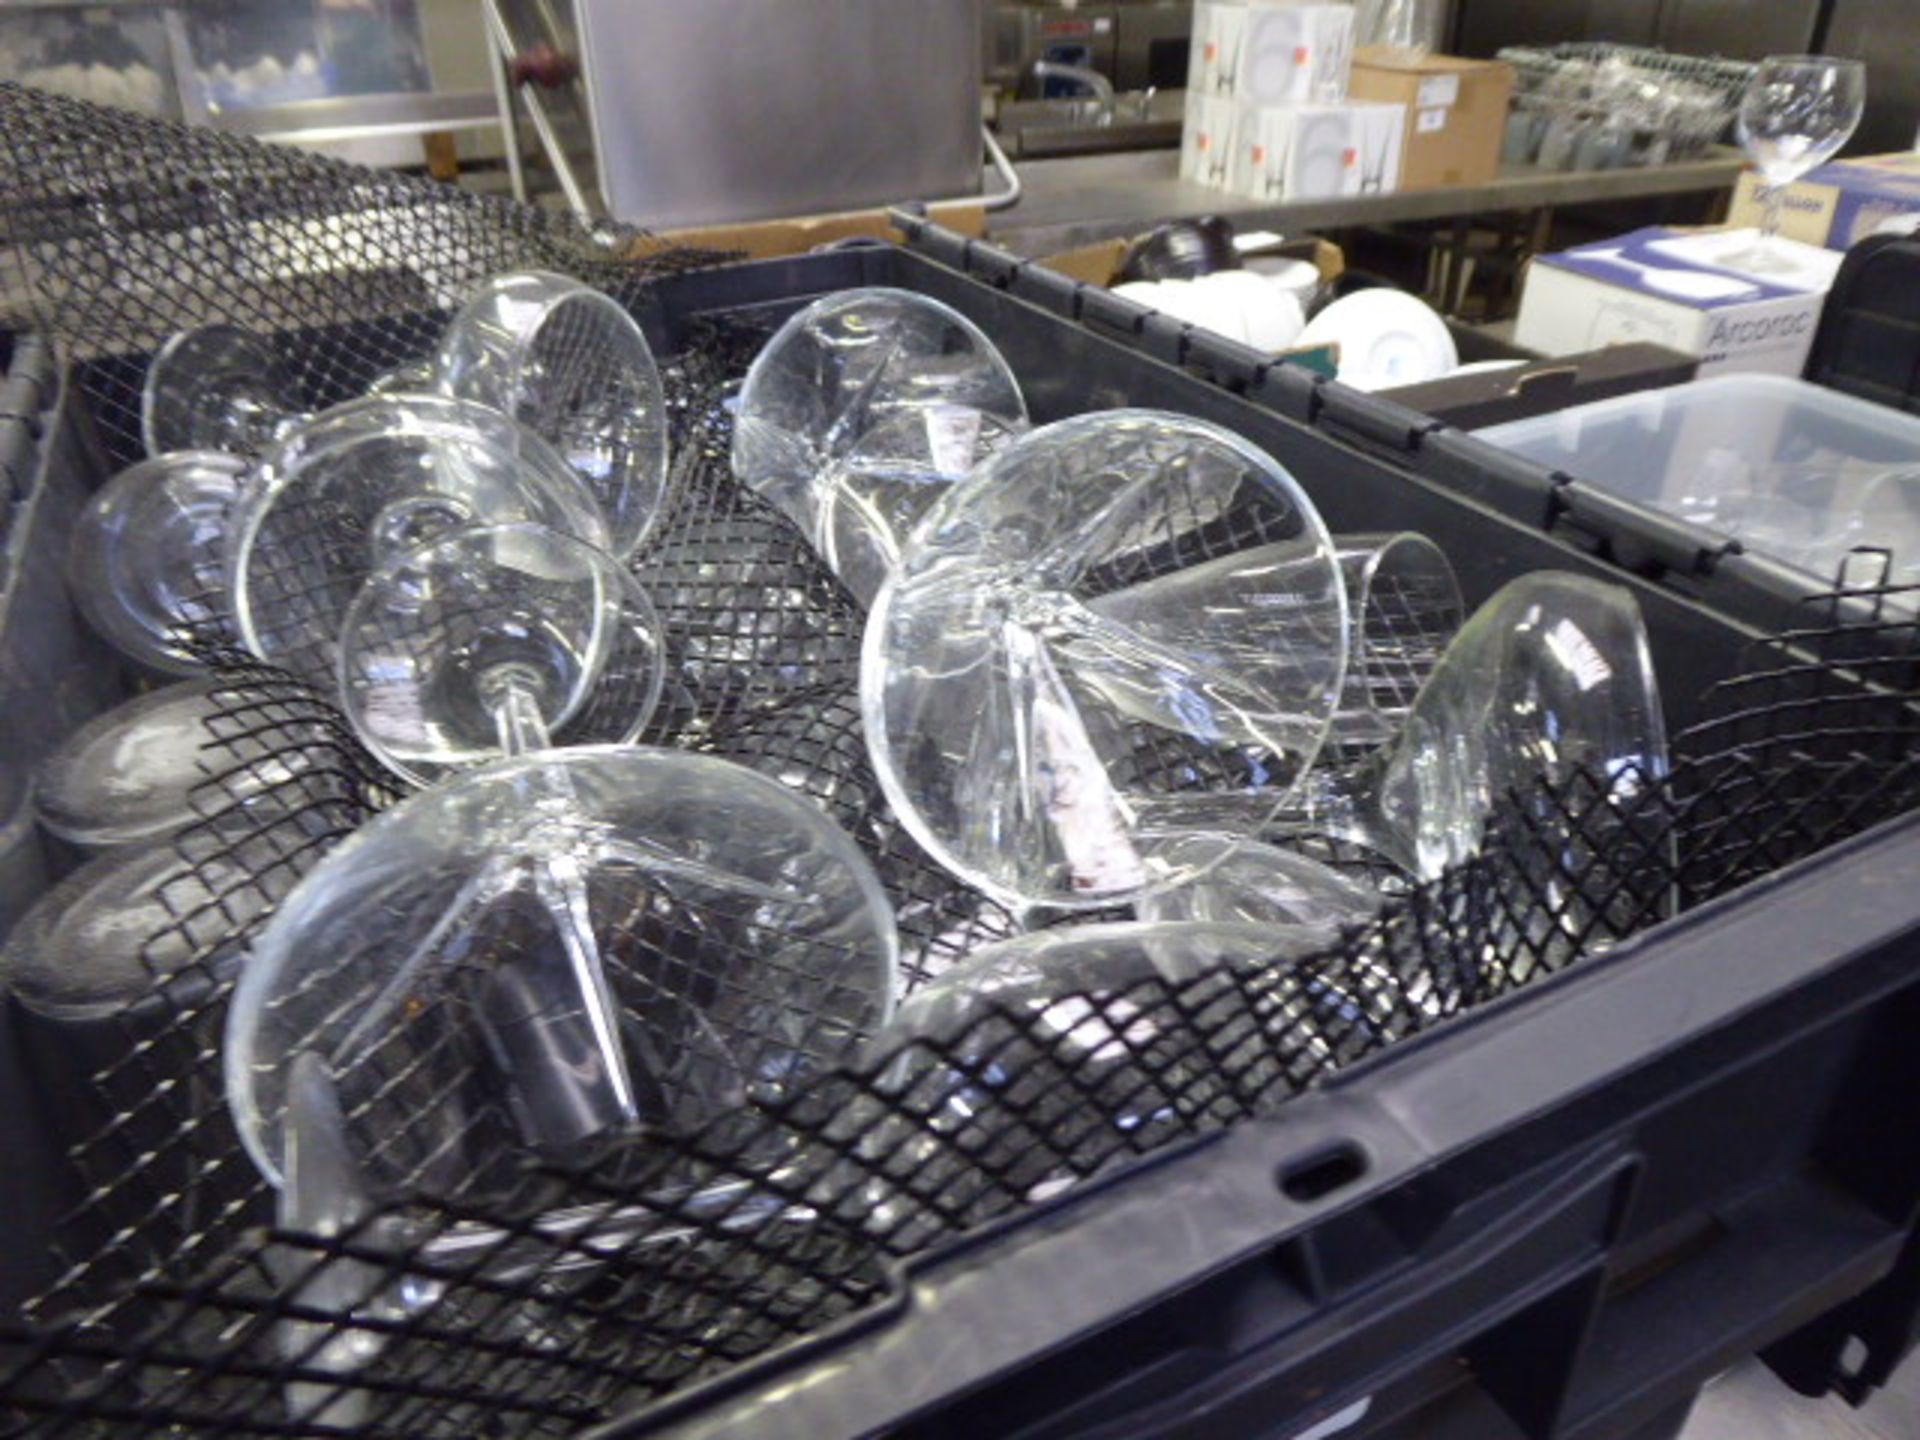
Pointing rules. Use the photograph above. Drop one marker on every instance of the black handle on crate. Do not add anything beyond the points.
(1182, 1298)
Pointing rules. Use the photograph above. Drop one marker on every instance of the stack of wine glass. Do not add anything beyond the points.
(1116, 677)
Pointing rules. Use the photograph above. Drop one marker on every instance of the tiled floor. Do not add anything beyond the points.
(1748, 1403)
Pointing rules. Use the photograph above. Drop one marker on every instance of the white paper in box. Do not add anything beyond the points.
(1213, 62)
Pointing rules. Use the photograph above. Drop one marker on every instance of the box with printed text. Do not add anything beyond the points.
(1687, 291)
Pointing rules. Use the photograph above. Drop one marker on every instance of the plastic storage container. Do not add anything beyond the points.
(1790, 469)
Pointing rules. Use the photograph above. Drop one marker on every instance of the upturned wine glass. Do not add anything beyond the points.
(844, 365)
(1551, 679)
(1126, 627)
(563, 359)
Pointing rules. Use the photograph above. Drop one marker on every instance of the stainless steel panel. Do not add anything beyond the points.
(1150, 51)
(1741, 29)
(1482, 26)
(1887, 36)
(745, 109)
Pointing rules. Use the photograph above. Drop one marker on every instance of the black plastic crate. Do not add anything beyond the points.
(1568, 1210)
(1580, 1203)
(1868, 343)
(1554, 1216)
(53, 676)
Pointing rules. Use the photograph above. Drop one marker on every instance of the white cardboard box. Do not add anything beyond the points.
(1683, 290)
(1293, 54)
(1271, 52)
(1207, 140)
(1309, 152)
(1215, 54)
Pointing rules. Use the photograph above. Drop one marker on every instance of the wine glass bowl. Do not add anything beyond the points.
(871, 499)
(841, 366)
(146, 564)
(430, 972)
(571, 365)
(1795, 114)
(439, 636)
(1549, 682)
(216, 387)
(360, 484)
(1127, 625)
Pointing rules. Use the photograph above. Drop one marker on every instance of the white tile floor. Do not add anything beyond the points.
(1748, 1403)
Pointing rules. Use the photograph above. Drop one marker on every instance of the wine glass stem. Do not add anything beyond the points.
(603, 1097)
(516, 715)
(1776, 199)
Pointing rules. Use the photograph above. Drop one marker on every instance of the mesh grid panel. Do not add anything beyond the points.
(562, 1297)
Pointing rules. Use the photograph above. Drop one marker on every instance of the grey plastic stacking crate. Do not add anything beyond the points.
(54, 674)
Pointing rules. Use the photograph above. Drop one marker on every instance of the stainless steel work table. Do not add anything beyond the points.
(1086, 198)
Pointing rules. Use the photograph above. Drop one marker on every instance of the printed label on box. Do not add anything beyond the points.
(1439, 90)
(1431, 120)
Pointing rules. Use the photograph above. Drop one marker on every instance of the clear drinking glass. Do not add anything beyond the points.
(477, 938)
(216, 387)
(495, 641)
(358, 485)
(1405, 602)
(570, 364)
(147, 562)
(872, 497)
(842, 366)
(1553, 676)
(160, 557)
(1796, 114)
(1127, 626)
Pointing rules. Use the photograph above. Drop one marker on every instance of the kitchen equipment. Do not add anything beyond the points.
(1153, 44)
(1018, 35)
(704, 114)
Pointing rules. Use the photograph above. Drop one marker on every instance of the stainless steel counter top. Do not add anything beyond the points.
(1087, 198)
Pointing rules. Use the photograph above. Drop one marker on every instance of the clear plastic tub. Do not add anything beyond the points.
(1794, 471)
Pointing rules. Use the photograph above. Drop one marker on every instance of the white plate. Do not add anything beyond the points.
(1270, 316)
(1386, 338)
(1299, 278)
(1209, 309)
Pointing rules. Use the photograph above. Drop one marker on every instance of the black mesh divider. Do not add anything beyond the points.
(572, 1295)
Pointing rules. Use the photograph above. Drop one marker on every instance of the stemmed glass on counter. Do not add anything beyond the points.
(1796, 114)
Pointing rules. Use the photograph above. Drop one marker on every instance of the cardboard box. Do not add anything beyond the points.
(1307, 152)
(1837, 204)
(1214, 55)
(1206, 141)
(1456, 113)
(1293, 54)
(1625, 290)
(766, 239)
